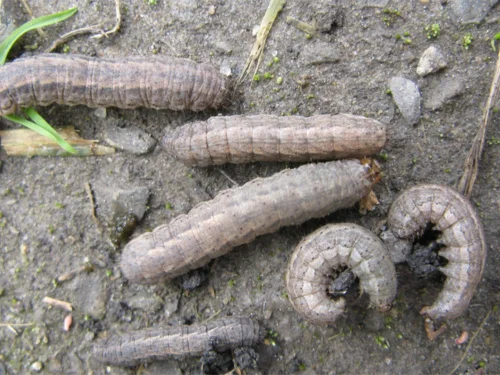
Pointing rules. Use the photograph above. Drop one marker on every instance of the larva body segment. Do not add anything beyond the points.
(236, 216)
(243, 139)
(461, 234)
(151, 82)
(330, 248)
(163, 342)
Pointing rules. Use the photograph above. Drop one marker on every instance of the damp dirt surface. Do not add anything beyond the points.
(47, 228)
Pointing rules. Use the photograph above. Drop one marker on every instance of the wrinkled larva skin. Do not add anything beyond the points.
(244, 139)
(151, 82)
(327, 249)
(461, 233)
(165, 342)
(236, 216)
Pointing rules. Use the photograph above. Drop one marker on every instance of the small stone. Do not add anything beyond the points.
(164, 367)
(131, 139)
(225, 68)
(407, 97)
(255, 30)
(319, 52)
(150, 303)
(90, 294)
(431, 61)
(211, 10)
(114, 200)
(443, 91)
(223, 47)
(470, 11)
(37, 366)
(100, 112)
(194, 278)
(89, 336)
(246, 358)
(374, 3)
(171, 303)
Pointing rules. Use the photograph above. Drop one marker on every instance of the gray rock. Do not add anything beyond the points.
(100, 112)
(222, 47)
(471, 11)
(442, 92)
(319, 52)
(374, 3)
(171, 303)
(37, 366)
(131, 139)
(113, 201)
(431, 61)
(89, 295)
(407, 97)
(225, 68)
(151, 303)
(166, 367)
(399, 249)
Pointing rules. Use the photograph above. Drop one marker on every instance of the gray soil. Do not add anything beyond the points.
(47, 228)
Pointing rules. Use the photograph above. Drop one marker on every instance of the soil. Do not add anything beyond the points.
(47, 228)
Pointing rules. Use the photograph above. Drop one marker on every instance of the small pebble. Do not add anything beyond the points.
(211, 10)
(100, 112)
(431, 61)
(225, 68)
(37, 366)
(131, 139)
(407, 97)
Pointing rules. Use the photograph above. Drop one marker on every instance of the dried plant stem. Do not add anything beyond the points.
(266, 24)
(30, 13)
(95, 29)
(470, 343)
(58, 303)
(471, 164)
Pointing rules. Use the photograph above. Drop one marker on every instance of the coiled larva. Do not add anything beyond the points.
(243, 139)
(461, 234)
(151, 82)
(327, 249)
(163, 342)
(236, 216)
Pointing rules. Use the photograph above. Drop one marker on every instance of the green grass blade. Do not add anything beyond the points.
(40, 121)
(31, 25)
(48, 132)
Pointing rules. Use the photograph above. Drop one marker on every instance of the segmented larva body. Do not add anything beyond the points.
(163, 342)
(243, 139)
(151, 82)
(236, 216)
(330, 248)
(461, 233)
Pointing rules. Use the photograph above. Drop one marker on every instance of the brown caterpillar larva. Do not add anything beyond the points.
(330, 248)
(461, 234)
(151, 82)
(163, 342)
(236, 216)
(243, 139)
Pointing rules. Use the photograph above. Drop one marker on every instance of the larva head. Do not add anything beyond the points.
(373, 169)
(7, 105)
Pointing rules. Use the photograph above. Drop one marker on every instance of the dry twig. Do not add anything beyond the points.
(30, 13)
(470, 343)
(471, 164)
(255, 57)
(58, 303)
(95, 29)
